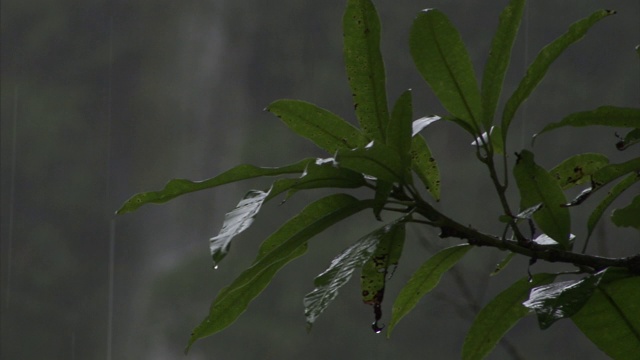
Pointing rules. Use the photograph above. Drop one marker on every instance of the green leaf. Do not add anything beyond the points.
(284, 245)
(496, 140)
(609, 173)
(503, 264)
(399, 131)
(561, 300)
(425, 165)
(365, 68)
(177, 187)
(578, 169)
(324, 173)
(536, 186)
(424, 280)
(538, 69)
(339, 272)
(632, 138)
(235, 222)
(613, 194)
(499, 58)
(603, 116)
(383, 190)
(377, 160)
(628, 216)
(500, 315)
(443, 61)
(376, 268)
(327, 130)
(610, 318)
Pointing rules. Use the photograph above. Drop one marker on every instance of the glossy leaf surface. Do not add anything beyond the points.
(177, 187)
(339, 272)
(424, 280)
(377, 160)
(500, 315)
(235, 222)
(610, 318)
(538, 69)
(386, 255)
(365, 68)
(499, 58)
(284, 245)
(325, 129)
(443, 61)
(537, 186)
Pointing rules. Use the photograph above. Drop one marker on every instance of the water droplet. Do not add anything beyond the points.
(215, 267)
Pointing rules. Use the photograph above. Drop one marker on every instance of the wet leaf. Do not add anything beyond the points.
(419, 124)
(561, 300)
(499, 58)
(443, 61)
(365, 68)
(538, 69)
(286, 244)
(235, 222)
(613, 194)
(500, 315)
(386, 255)
(578, 169)
(178, 187)
(377, 160)
(610, 318)
(325, 129)
(425, 166)
(424, 280)
(502, 264)
(628, 216)
(603, 116)
(339, 272)
(537, 186)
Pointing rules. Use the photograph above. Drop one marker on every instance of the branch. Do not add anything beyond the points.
(451, 228)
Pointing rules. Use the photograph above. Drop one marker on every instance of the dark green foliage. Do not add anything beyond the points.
(385, 155)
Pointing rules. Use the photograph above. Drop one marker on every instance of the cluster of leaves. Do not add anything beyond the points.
(388, 155)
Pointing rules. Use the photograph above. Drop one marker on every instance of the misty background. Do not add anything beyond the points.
(103, 99)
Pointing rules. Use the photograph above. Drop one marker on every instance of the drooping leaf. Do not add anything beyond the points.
(284, 245)
(376, 268)
(377, 160)
(537, 186)
(443, 61)
(339, 272)
(609, 173)
(325, 129)
(235, 222)
(610, 318)
(500, 315)
(578, 169)
(177, 187)
(425, 165)
(419, 124)
(365, 68)
(424, 280)
(628, 216)
(538, 69)
(499, 58)
(632, 138)
(603, 116)
(399, 131)
(561, 300)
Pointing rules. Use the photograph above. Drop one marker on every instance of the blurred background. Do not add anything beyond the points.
(103, 99)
